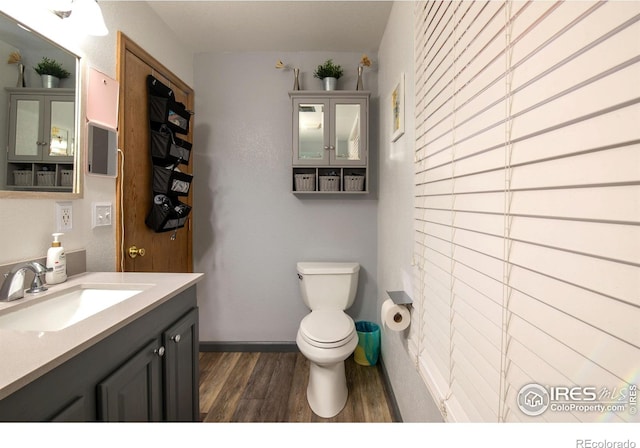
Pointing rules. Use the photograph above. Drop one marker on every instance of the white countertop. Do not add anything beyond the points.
(27, 355)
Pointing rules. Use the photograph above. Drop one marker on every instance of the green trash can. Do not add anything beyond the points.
(368, 348)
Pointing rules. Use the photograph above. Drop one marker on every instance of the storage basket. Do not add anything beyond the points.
(46, 178)
(167, 149)
(22, 178)
(305, 182)
(164, 109)
(354, 182)
(167, 214)
(329, 183)
(170, 181)
(66, 178)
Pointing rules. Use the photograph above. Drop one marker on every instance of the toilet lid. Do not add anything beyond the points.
(327, 328)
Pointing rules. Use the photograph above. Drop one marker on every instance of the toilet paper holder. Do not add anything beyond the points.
(400, 298)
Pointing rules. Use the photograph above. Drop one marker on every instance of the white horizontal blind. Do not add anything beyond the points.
(527, 208)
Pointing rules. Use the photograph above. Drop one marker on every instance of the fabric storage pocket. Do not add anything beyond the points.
(167, 214)
(164, 109)
(171, 181)
(169, 149)
(169, 112)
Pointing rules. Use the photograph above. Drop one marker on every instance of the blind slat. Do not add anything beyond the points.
(527, 202)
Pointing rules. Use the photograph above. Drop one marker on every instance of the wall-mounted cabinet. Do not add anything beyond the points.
(330, 141)
(41, 143)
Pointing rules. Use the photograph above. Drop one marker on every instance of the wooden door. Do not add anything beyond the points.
(162, 253)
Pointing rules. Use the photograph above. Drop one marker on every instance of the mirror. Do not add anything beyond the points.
(102, 150)
(347, 132)
(311, 131)
(38, 122)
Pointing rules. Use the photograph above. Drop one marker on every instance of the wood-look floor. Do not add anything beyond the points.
(271, 387)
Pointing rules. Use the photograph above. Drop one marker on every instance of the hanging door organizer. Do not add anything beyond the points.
(167, 117)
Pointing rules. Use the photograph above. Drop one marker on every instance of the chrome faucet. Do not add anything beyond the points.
(13, 285)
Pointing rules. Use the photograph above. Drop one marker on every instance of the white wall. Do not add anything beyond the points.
(395, 210)
(250, 230)
(26, 224)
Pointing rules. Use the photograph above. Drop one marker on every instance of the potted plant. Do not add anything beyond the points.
(329, 73)
(51, 72)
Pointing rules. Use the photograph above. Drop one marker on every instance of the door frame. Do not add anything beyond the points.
(124, 45)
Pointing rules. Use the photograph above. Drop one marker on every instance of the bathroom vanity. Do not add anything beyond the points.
(136, 360)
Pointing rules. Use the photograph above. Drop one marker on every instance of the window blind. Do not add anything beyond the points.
(527, 205)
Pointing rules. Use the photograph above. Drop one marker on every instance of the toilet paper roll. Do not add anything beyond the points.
(395, 317)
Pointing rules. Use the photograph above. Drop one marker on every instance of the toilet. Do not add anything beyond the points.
(327, 335)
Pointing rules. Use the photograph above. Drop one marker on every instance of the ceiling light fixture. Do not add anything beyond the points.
(86, 16)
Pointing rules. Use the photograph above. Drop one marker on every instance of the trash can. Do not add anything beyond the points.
(368, 348)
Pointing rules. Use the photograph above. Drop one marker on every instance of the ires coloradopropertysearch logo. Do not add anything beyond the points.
(534, 399)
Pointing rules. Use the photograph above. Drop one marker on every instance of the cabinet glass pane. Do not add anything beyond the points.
(27, 127)
(311, 131)
(347, 132)
(62, 129)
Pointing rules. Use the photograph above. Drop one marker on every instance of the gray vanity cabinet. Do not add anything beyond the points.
(156, 384)
(146, 371)
(133, 393)
(181, 369)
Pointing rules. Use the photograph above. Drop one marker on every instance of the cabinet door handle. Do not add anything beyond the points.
(326, 148)
(176, 338)
(159, 351)
(332, 148)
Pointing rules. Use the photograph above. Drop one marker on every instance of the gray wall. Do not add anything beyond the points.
(250, 230)
(395, 211)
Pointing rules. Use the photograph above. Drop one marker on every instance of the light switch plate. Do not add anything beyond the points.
(101, 214)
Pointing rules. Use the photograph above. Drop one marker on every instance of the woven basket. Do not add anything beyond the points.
(46, 178)
(66, 178)
(22, 178)
(305, 182)
(354, 183)
(329, 183)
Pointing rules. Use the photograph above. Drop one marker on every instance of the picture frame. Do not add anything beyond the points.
(397, 109)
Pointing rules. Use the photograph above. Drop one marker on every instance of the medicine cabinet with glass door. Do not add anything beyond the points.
(330, 133)
(41, 138)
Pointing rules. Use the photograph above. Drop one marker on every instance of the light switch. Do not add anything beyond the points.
(101, 215)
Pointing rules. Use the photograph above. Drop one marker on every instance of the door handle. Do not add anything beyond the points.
(134, 252)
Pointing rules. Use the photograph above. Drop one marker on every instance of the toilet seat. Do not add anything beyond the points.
(327, 328)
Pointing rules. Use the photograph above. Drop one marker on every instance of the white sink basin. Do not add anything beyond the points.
(67, 307)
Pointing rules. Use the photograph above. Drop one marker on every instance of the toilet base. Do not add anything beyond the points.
(327, 391)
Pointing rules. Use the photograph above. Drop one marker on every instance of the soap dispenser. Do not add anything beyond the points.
(56, 261)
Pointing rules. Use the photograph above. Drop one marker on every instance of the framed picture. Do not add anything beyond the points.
(397, 109)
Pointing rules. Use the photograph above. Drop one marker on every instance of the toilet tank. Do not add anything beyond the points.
(328, 285)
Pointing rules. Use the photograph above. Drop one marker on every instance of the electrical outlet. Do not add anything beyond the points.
(64, 216)
(101, 215)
